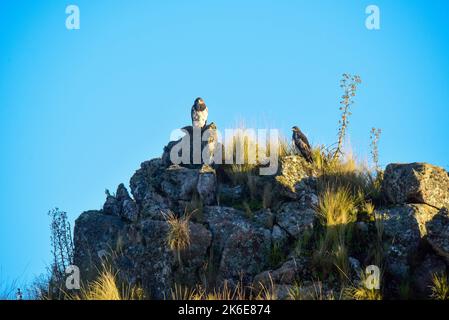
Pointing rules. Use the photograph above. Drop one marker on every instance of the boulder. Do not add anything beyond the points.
(404, 227)
(230, 194)
(121, 205)
(287, 274)
(438, 233)
(140, 252)
(195, 258)
(179, 183)
(145, 188)
(145, 258)
(96, 236)
(245, 254)
(416, 183)
(295, 219)
(239, 248)
(264, 218)
(207, 185)
(279, 236)
(111, 206)
(293, 178)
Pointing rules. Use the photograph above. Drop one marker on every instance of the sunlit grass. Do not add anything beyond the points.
(105, 287)
(178, 236)
(440, 287)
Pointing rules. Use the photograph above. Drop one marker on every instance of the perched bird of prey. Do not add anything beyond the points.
(199, 113)
(301, 142)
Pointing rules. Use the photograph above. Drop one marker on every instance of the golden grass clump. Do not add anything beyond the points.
(178, 236)
(361, 291)
(337, 207)
(337, 210)
(105, 287)
(239, 292)
(440, 287)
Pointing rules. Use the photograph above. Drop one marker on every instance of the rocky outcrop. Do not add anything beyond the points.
(416, 183)
(238, 233)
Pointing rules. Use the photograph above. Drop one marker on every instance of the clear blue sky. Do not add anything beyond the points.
(80, 110)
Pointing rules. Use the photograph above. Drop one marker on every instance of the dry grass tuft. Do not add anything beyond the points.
(361, 291)
(440, 287)
(178, 236)
(105, 287)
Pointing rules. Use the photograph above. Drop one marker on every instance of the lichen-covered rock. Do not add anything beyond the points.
(121, 205)
(295, 218)
(280, 281)
(145, 188)
(239, 248)
(130, 211)
(145, 258)
(404, 227)
(264, 218)
(438, 233)
(279, 236)
(95, 236)
(229, 194)
(207, 185)
(179, 183)
(195, 258)
(416, 183)
(288, 273)
(293, 177)
(244, 255)
(111, 206)
(223, 221)
(139, 250)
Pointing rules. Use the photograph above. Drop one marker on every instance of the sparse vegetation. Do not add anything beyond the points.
(106, 287)
(440, 287)
(361, 292)
(349, 84)
(374, 138)
(337, 209)
(61, 242)
(239, 292)
(276, 255)
(62, 252)
(178, 237)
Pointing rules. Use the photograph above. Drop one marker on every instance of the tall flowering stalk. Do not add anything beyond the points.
(349, 85)
(374, 137)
